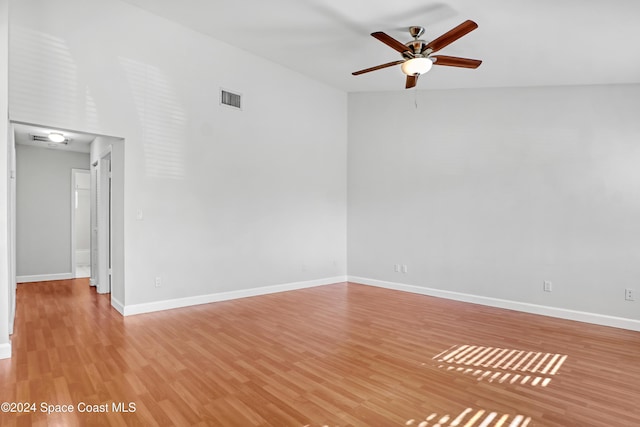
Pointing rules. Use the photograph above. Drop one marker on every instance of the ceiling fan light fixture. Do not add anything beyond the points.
(416, 66)
(56, 137)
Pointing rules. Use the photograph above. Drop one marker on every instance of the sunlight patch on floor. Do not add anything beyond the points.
(471, 418)
(502, 365)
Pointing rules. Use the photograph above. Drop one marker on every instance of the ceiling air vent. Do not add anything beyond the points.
(44, 138)
(231, 99)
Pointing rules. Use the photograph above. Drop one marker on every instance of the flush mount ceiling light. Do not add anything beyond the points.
(56, 137)
(416, 66)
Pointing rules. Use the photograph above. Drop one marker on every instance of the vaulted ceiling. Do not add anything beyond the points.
(521, 43)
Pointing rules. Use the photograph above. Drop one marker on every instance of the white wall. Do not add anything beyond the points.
(43, 196)
(491, 192)
(5, 288)
(231, 200)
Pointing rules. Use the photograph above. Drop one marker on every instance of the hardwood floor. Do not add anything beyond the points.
(338, 355)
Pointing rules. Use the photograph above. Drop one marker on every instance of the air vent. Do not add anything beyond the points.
(44, 138)
(231, 99)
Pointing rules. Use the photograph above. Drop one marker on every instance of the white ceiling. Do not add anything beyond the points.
(521, 43)
(78, 142)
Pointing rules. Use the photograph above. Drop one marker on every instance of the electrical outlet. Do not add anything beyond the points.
(158, 282)
(629, 295)
(396, 268)
(547, 286)
(404, 268)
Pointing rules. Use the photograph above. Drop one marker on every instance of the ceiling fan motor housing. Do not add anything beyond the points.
(417, 46)
(416, 49)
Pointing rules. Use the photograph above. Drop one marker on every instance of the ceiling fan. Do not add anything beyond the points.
(416, 54)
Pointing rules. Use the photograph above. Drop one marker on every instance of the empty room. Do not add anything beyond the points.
(320, 213)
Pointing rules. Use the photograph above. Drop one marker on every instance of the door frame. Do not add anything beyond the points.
(104, 222)
(12, 211)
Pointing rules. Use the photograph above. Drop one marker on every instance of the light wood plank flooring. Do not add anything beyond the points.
(338, 355)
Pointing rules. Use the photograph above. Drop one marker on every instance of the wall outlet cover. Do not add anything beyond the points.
(629, 295)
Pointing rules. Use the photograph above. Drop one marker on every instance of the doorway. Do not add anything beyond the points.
(30, 266)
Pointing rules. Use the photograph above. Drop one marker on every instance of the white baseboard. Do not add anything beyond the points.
(562, 313)
(44, 277)
(117, 305)
(5, 351)
(130, 310)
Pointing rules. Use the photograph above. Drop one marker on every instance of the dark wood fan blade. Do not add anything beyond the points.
(454, 61)
(391, 42)
(377, 67)
(451, 36)
(411, 81)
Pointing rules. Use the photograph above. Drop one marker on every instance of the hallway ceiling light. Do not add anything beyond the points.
(56, 137)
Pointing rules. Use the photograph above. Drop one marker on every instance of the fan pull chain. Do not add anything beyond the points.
(416, 97)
